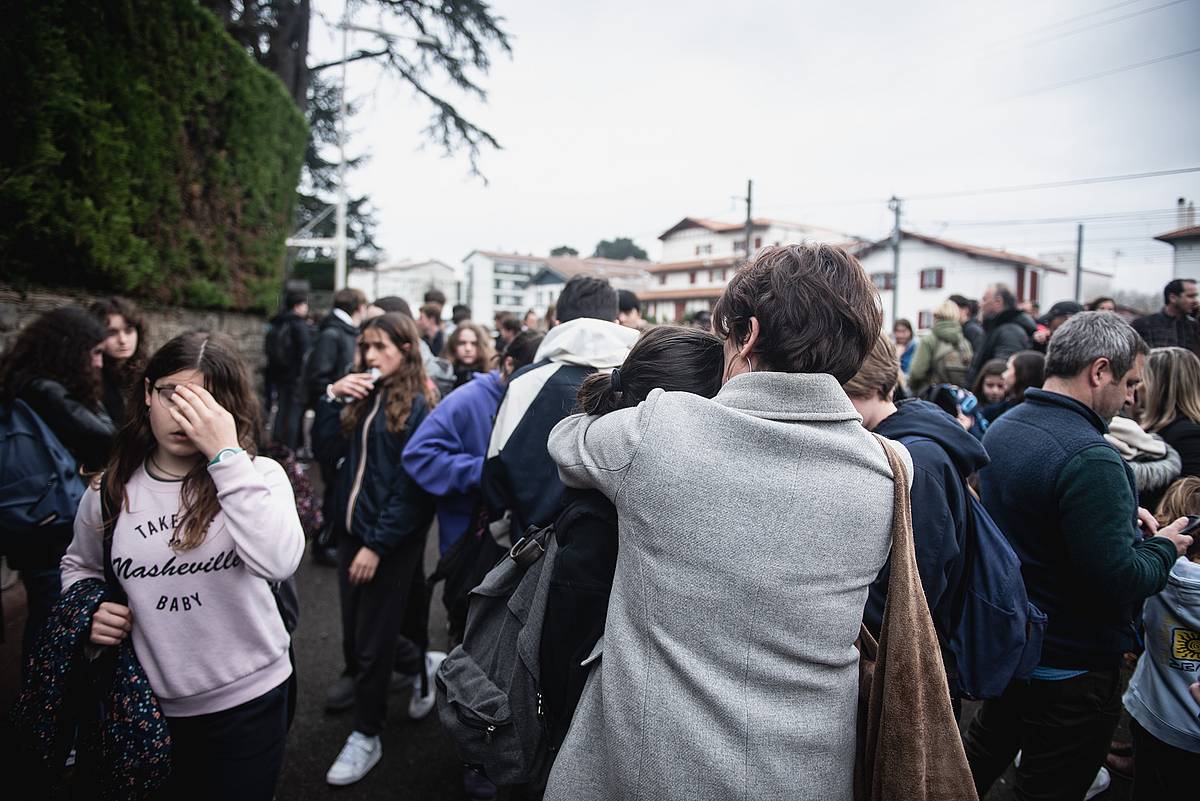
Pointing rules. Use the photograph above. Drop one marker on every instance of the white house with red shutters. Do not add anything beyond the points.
(932, 269)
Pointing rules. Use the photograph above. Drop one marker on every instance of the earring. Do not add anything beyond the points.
(749, 364)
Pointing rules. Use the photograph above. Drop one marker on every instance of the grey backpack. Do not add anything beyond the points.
(488, 695)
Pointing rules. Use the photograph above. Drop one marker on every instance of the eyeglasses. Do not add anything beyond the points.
(164, 394)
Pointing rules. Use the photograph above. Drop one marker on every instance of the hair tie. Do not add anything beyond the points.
(614, 379)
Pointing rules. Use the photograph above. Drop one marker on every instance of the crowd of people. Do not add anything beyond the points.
(713, 582)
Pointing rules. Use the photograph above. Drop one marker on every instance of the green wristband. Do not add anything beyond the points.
(221, 454)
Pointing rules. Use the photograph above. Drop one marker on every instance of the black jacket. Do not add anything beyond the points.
(295, 345)
(375, 500)
(1184, 436)
(85, 431)
(944, 454)
(577, 604)
(331, 357)
(1005, 334)
(973, 331)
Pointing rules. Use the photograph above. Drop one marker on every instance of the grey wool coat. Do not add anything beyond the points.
(750, 526)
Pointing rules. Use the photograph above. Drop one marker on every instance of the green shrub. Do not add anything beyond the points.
(148, 154)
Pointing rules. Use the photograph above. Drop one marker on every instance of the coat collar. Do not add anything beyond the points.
(788, 396)
(1049, 398)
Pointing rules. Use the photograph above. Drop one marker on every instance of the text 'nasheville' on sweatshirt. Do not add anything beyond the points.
(206, 627)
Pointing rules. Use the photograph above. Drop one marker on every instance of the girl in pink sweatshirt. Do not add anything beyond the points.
(203, 526)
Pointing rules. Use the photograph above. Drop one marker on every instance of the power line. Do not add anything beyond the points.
(995, 190)
(1129, 217)
(1100, 24)
(1103, 74)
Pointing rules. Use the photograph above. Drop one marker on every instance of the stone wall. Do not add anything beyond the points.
(162, 322)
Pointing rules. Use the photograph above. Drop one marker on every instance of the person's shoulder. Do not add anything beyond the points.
(266, 466)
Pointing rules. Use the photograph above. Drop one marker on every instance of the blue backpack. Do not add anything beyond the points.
(997, 636)
(40, 484)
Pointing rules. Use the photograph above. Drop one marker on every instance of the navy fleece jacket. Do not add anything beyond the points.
(943, 454)
(445, 455)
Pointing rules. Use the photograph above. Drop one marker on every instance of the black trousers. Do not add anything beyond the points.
(373, 616)
(234, 755)
(289, 414)
(1161, 771)
(1062, 729)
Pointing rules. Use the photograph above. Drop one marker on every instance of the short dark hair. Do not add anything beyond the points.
(436, 296)
(460, 312)
(294, 297)
(1006, 296)
(509, 322)
(1029, 372)
(960, 301)
(522, 349)
(1175, 288)
(585, 296)
(433, 311)
(670, 357)
(627, 301)
(903, 322)
(395, 304)
(349, 300)
(817, 311)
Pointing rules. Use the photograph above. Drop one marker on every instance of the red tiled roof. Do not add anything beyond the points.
(690, 293)
(568, 266)
(974, 251)
(1189, 232)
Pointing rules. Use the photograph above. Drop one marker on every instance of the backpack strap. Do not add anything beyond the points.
(108, 516)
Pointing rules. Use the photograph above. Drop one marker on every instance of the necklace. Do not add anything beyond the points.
(159, 468)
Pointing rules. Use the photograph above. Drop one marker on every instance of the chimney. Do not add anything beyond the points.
(1181, 213)
(1191, 214)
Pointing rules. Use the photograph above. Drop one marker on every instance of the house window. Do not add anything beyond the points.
(739, 246)
(882, 281)
(723, 272)
(757, 242)
(925, 319)
(692, 277)
(932, 278)
(662, 278)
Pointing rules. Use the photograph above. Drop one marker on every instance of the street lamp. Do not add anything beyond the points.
(339, 241)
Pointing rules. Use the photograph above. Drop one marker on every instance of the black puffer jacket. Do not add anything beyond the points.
(1005, 334)
(375, 500)
(86, 431)
(331, 357)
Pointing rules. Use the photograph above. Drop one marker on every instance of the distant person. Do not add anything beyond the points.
(507, 328)
(1102, 304)
(703, 320)
(54, 366)
(436, 297)
(530, 321)
(943, 355)
(1059, 313)
(989, 384)
(629, 310)
(469, 351)
(430, 323)
(437, 370)
(124, 353)
(1023, 371)
(203, 526)
(906, 345)
(1170, 396)
(460, 312)
(968, 311)
(551, 318)
(286, 345)
(1006, 328)
(1175, 325)
(1067, 503)
(519, 478)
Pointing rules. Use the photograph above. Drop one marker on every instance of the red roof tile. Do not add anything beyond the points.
(1190, 232)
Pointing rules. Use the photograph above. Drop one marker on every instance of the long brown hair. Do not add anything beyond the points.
(216, 357)
(401, 386)
(1170, 388)
(485, 351)
(58, 346)
(126, 372)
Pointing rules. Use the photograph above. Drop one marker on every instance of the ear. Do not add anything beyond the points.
(147, 390)
(1098, 370)
(747, 347)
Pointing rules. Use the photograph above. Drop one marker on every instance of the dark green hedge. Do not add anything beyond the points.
(145, 153)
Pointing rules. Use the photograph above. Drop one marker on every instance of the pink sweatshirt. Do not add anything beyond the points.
(205, 625)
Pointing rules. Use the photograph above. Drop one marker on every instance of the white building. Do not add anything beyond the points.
(932, 269)
(409, 280)
(1186, 242)
(512, 282)
(699, 257)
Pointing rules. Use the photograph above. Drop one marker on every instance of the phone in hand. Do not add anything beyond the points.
(1193, 525)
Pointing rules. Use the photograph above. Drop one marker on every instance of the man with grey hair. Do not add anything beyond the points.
(1068, 505)
(1006, 329)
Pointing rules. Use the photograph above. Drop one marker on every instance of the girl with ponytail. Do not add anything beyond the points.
(671, 358)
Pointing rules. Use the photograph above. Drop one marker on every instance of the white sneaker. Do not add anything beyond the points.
(421, 704)
(358, 756)
(1099, 784)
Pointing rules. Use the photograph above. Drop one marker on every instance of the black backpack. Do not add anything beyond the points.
(280, 347)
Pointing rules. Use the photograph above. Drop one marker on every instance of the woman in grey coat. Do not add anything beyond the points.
(750, 528)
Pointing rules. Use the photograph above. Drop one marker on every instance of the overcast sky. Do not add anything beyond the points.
(619, 118)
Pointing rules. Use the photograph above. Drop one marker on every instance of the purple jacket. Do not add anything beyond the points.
(445, 455)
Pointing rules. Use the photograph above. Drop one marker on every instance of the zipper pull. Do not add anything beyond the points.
(487, 737)
(539, 706)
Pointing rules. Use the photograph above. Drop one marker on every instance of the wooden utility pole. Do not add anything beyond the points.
(749, 219)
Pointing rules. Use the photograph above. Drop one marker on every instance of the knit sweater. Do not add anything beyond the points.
(205, 624)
